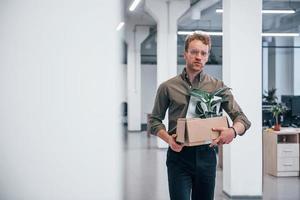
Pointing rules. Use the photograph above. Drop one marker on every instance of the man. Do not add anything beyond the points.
(193, 169)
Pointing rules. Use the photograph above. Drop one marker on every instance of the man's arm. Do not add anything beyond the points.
(232, 108)
(228, 134)
(170, 139)
(239, 128)
(240, 121)
(158, 114)
(160, 107)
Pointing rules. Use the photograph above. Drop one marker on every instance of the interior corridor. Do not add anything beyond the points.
(145, 174)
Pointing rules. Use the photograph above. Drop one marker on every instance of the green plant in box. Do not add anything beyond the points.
(208, 104)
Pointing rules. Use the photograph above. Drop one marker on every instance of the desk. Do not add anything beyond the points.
(281, 151)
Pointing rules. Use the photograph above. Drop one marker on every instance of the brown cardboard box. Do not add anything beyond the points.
(196, 131)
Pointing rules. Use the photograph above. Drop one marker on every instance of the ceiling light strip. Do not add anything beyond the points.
(120, 26)
(134, 5)
(208, 33)
(268, 11)
(278, 11)
(280, 34)
(221, 33)
(219, 10)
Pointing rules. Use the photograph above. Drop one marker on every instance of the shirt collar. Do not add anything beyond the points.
(185, 76)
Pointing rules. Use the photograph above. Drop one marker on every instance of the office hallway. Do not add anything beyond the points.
(145, 174)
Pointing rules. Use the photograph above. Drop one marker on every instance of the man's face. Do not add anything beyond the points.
(196, 56)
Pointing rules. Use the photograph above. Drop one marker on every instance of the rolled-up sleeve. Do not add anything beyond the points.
(234, 111)
(161, 105)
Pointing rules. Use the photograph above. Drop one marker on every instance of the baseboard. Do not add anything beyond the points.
(241, 196)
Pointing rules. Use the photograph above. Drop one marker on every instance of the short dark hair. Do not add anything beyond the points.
(205, 38)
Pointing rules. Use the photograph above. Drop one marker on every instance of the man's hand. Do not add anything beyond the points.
(173, 144)
(226, 136)
(170, 139)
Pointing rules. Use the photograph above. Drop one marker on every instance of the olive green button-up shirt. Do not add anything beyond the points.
(173, 95)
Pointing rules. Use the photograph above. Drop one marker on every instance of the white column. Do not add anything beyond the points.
(296, 67)
(284, 66)
(166, 14)
(242, 71)
(135, 35)
(265, 66)
(272, 65)
(60, 131)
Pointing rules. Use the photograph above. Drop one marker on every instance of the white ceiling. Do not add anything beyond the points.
(202, 15)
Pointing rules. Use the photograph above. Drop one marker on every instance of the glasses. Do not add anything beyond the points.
(196, 52)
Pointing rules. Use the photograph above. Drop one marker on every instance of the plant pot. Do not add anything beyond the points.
(277, 127)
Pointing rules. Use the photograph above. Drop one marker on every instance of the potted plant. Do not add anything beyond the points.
(276, 110)
(270, 97)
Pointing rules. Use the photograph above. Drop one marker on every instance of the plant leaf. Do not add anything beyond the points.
(199, 93)
(219, 91)
(209, 103)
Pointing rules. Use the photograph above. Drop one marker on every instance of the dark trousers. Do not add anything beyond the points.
(191, 173)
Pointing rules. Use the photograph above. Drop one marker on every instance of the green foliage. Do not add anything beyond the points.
(277, 110)
(208, 104)
(270, 96)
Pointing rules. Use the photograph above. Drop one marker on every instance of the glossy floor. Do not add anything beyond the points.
(145, 175)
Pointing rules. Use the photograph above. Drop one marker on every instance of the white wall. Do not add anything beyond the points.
(148, 81)
(265, 66)
(296, 67)
(271, 67)
(284, 67)
(124, 81)
(60, 104)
